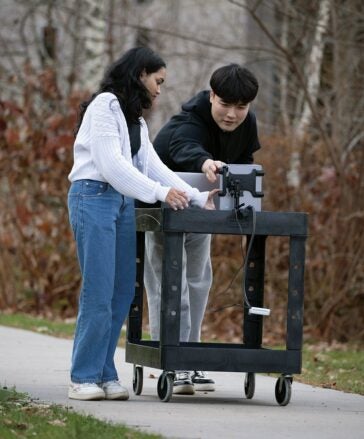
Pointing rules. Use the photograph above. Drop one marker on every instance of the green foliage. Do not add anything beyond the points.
(24, 418)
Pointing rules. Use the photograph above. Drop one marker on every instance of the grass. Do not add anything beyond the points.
(55, 328)
(336, 366)
(63, 329)
(23, 418)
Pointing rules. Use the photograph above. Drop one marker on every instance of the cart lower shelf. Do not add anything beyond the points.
(283, 387)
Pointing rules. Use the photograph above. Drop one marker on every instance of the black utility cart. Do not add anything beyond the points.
(250, 357)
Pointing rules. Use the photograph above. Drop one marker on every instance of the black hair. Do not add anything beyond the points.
(234, 84)
(122, 78)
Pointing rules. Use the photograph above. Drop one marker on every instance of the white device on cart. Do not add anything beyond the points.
(238, 184)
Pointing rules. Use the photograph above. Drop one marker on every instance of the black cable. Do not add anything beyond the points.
(233, 278)
(245, 266)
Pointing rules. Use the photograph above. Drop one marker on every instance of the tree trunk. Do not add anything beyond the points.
(95, 43)
(313, 68)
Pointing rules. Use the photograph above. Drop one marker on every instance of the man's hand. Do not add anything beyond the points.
(177, 199)
(210, 168)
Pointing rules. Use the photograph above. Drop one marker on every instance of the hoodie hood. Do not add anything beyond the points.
(201, 106)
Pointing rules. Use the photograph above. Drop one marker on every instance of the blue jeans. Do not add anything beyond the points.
(103, 224)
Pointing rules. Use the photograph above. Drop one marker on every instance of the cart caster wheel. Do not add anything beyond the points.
(138, 379)
(249, 385)
(165, 386)
(283, 390)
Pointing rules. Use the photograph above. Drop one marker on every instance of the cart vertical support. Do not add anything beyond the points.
(171, 290)
(136, 309)
(254, 287)
(295, 292)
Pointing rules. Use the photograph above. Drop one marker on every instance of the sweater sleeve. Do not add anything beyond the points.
(106, 151)
(157, 170)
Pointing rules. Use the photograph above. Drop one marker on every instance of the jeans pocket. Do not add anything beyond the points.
(94, 188)
(73, 202)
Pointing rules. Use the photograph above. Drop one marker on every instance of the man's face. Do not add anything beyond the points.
(227, 116)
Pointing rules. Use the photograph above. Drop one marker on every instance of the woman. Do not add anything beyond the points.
(114, 162)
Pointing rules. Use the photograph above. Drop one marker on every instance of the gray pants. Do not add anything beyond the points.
(196, 282)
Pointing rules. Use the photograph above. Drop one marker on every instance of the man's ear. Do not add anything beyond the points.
(212, 95)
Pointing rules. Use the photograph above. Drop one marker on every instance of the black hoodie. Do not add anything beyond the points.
(192, 136)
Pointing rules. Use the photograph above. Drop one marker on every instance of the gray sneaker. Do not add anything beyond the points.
(201, 381)
(182, 384)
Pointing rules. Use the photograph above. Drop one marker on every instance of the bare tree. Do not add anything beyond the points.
(94, 28)
(313, 66)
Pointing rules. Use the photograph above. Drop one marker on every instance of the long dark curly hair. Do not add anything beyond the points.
(122, 78)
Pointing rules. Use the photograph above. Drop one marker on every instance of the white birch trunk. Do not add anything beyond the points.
(284, 75)
(312, 72)
(314, 66)
(94, 34)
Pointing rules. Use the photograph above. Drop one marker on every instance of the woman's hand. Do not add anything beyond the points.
(210, 205)
(177, 199)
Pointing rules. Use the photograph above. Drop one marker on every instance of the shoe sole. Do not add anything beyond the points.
(91, 397)
(117, 396)
(204, 387)
(183, 390)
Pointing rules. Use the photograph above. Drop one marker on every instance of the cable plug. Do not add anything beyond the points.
(259, 311)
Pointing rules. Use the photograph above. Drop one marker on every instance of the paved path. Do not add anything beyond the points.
(39, 365)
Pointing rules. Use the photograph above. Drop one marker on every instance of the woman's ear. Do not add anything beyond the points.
(143, 75)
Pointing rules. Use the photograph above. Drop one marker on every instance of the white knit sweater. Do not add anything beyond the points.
(102, 152)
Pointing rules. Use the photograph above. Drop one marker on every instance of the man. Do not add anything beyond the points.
(216, 126)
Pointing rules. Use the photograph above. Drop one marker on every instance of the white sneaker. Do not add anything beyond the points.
(114, 390)
(85, 391)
